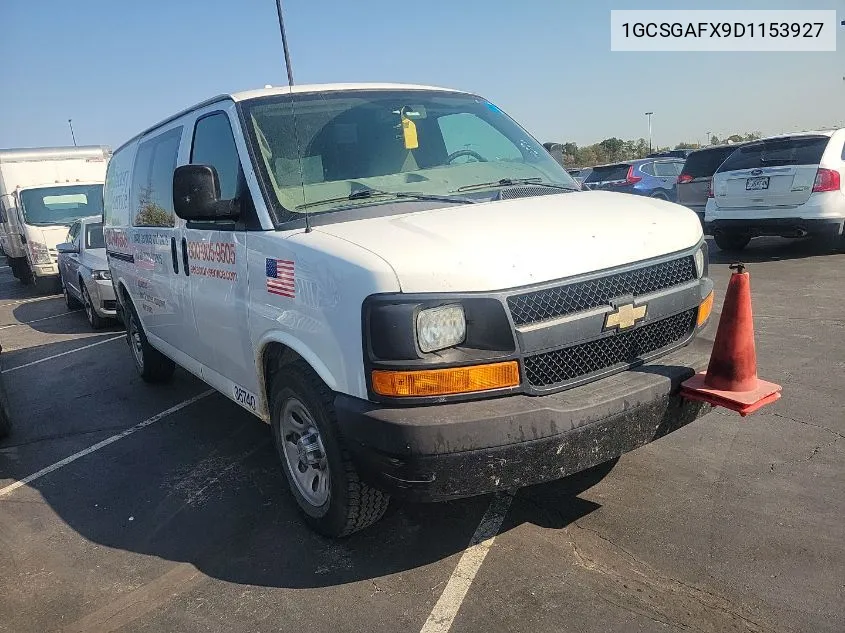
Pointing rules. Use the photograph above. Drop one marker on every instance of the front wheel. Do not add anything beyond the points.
(731, 241)
(152, 365)
(71, 302)
(95, 320)
(320, 473)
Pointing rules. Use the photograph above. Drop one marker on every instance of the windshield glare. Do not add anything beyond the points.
(317, 149)
(61, 205)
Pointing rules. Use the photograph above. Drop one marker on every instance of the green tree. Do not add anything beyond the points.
(612, 148)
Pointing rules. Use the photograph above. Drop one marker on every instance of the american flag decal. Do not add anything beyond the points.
(281, 278)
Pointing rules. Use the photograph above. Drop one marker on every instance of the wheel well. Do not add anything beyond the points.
(275, 356)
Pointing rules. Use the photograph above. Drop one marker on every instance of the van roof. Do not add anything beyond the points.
(25, 154)
(283, 90)
(306, 88)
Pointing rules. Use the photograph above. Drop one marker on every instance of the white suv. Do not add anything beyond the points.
(788, 186)
(407, 287)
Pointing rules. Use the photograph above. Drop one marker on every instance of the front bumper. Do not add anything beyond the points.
(438, 452)
(102, 296)
(778, 227)
(45, 270)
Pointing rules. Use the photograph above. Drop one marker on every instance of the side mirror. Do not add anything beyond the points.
(196, 195)
(66, 247)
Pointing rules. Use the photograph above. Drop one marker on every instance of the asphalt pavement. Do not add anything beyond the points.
(114, 517)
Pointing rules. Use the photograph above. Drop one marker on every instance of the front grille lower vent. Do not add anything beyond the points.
(620, 350)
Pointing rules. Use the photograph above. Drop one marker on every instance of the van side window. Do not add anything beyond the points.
(214, 145)
(152, 180)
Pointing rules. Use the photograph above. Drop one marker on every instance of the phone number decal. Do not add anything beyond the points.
(216, 252)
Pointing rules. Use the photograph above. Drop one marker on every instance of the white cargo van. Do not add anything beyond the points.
(42, 192)
(407, 287)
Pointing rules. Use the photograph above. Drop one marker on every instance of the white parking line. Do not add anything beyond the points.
(33, 299)
(70, 351)
(444, 612)
(55, 316)
(109, 440)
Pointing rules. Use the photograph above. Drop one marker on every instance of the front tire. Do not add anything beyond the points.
(731, 241)
(152, 365)
(70, 302)
(95, 320)
(320, 473)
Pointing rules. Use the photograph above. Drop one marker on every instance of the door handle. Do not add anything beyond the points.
(173, 255)
(185, 257)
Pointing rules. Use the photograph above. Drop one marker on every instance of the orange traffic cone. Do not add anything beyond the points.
(731, 377)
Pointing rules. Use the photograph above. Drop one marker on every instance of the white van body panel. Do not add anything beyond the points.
(323, 323)
(511, 243)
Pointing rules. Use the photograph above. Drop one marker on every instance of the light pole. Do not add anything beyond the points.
(284, 41)
(72, 135)
(707, 139)
(648, 114)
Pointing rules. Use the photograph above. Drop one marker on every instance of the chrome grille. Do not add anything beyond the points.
(549, 303)
(612, 352)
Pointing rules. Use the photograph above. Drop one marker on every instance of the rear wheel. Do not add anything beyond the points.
(731, 241)
(152, 365)
(97, 322)
(321, 476)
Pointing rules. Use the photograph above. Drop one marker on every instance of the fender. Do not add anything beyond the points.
(285, 338)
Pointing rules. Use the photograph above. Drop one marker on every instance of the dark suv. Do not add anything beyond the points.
(694, 181)
(653, 177)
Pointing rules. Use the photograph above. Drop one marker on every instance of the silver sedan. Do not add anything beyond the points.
(84, 272)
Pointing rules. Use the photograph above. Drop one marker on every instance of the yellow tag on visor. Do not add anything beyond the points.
(409, 132)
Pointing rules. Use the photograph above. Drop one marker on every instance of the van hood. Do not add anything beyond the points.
(511, 243)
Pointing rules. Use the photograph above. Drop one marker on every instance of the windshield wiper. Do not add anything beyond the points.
(363, 194)
(509, 182)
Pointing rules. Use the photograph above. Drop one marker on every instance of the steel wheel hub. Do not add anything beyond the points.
(305, 457)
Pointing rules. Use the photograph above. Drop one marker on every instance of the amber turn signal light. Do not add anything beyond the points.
(444, 382)
(704, 310)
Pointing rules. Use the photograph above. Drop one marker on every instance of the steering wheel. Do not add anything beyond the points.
(466, 152)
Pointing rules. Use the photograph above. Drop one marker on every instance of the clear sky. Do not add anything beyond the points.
(116, 67)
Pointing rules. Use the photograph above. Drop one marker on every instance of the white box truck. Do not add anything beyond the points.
(42, 192)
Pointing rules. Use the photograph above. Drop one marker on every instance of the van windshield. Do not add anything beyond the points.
(316, 150)
(61, 205)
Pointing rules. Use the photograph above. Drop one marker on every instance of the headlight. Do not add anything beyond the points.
(101, 275)
(441, 327)
(39, 253)
(701, 260)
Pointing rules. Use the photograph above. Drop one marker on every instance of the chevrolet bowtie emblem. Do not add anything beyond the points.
(625, 316)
